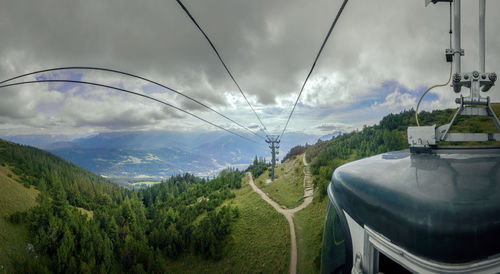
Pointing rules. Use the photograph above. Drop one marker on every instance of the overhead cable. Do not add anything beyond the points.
(130, 92)
(222, 61)
(314, 64)
(134, 76)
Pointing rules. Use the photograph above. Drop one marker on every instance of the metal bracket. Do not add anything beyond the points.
(449, 55)
(474, 80)
(424, 138)
(421, 139)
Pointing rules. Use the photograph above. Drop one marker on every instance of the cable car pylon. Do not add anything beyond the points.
(273, 142)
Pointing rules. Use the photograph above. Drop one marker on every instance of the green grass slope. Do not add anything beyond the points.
(13, 197)
(259, 240)
(288, 187)
(259, 243)
(309, 226)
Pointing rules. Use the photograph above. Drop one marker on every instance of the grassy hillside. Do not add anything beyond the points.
(288, 187)
(84, 223)
(309, 226)
(35, 167)
(13, 197)
(185, 224)
(259, 242)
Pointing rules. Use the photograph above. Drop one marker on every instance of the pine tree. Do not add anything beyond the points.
(59, 201)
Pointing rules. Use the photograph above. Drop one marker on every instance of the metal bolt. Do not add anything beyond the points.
(493, 77)
(475, 74)
(456, 82)
(466, 76)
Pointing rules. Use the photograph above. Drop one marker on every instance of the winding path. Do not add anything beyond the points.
(288, 213)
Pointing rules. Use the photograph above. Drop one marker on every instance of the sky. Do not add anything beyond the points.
(380, 57)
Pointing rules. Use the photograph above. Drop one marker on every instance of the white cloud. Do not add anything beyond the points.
(397, 101)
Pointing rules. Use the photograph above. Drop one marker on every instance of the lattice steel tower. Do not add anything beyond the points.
(273, 142)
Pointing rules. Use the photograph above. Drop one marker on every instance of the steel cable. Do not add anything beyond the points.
(222, 61)
(314, 64)
(126, 91)
(134, 76)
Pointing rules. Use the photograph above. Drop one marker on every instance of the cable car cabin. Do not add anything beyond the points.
(405, 212)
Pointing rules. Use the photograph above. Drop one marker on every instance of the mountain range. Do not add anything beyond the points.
(158, 153)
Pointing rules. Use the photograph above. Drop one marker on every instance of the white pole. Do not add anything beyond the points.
(456, 27)
(482, 8)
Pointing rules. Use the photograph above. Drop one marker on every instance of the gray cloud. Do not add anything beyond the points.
(328, 128)
(19, 103)
(268, 45)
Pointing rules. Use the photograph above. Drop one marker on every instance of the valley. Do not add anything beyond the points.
(182, 224)
(158, 154)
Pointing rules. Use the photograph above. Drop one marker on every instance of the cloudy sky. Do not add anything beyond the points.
(381, 56)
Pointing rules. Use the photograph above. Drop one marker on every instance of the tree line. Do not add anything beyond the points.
(258, 166)
(130, 231)
(294, 152)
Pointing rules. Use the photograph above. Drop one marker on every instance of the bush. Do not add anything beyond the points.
(294, 152)
(258, 167)
(17, 217)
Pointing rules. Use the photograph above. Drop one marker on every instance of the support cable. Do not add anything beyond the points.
(222, 61)
(314, 64)
(138, 77)
(130, 92)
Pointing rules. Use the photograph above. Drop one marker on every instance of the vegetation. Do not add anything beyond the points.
(309, 226)
(81, 222)
(259, 242)
(173, 207)
(129, 230)
(298, 150)
(13, 237)
(288, 187)
(258, 167)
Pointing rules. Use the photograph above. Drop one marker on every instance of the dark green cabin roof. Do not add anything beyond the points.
(443, 206)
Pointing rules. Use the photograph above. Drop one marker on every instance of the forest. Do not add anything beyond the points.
(129, 231)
